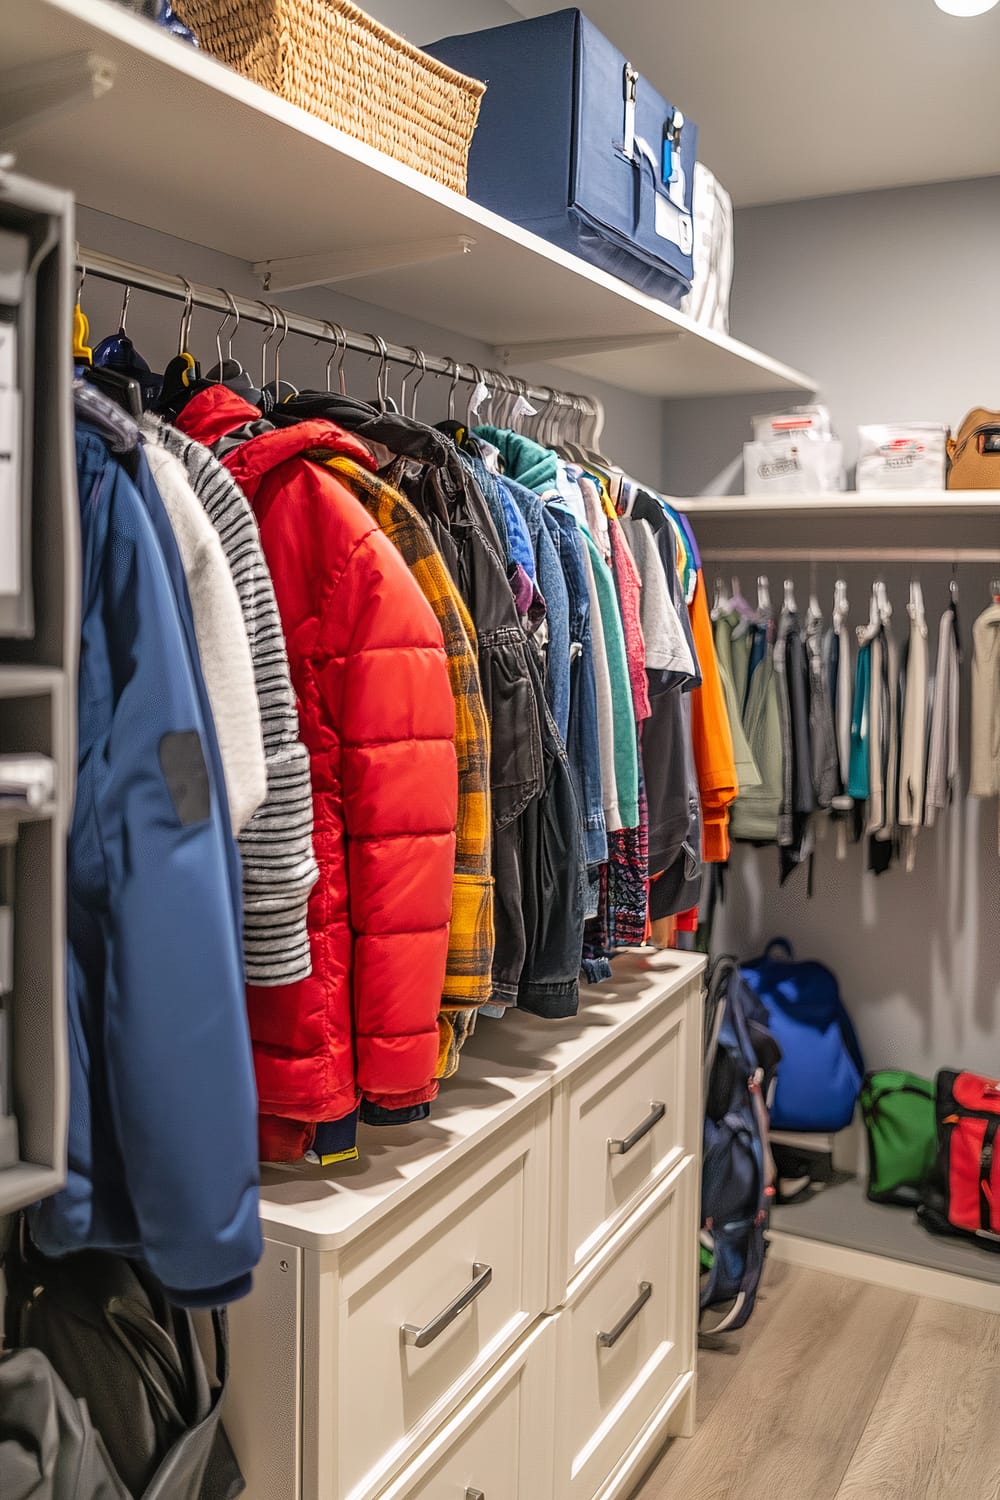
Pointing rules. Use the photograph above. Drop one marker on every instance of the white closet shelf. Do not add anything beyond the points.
(915, 503)
(183, 145)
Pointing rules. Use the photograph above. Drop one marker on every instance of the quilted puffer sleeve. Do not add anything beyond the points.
(387, 689)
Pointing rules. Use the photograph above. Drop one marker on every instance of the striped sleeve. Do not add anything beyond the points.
(279, 868)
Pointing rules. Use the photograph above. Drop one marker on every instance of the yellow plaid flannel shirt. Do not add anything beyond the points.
(468, 978)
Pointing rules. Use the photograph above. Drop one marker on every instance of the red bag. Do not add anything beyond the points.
(963, 1193)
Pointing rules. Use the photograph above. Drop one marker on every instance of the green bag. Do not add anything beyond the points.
(899, 1115)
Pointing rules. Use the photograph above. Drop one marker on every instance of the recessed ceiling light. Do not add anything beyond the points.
(965, 7)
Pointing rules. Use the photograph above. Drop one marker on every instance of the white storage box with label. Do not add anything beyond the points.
(712, 286)
(794, 453)
(903, 456)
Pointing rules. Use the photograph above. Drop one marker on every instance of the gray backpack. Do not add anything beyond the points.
(48, 1446)
(121, 1362)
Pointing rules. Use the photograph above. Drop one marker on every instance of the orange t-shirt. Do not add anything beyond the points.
(711, 736)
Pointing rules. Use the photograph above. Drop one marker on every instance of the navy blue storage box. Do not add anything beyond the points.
(574, 145)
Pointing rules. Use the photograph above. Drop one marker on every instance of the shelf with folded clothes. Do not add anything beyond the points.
(510, 289)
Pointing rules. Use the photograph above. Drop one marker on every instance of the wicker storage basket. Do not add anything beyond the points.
(338, 63)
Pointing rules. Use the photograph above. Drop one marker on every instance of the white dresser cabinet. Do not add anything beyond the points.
(501, 1301)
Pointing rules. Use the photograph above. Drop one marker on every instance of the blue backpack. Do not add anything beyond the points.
(741, 1059)
(822, 1067)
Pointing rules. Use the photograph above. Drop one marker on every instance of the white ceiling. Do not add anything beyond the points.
(804, 98)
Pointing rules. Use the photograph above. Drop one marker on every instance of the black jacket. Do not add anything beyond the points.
(538, 854)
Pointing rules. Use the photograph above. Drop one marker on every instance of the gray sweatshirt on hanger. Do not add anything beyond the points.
(985, 772)
(942, 752)
(913, 747)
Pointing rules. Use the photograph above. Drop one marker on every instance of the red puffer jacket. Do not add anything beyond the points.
(377, 714)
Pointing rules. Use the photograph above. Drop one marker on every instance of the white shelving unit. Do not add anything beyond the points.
(916, 503)
(38, 653)
(273, 183)
(932, 526)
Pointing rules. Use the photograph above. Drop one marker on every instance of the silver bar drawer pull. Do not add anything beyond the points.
(474, 1495)
(609, 1340)
(623, 1147)
(420, 1337)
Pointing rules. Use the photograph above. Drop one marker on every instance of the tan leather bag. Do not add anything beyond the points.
(975, 452)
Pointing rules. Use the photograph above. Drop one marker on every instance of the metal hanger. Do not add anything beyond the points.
(232, 312)
(763, 595)
(419, 358)
(453, 387)
(339, 347)
(282, 389)
(381, 378)
(267, 339)
(502, 401)
(184, 331)
(789, 601)
(478, 394)
(498, 396)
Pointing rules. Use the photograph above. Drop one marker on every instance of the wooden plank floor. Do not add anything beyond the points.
(843, 1391)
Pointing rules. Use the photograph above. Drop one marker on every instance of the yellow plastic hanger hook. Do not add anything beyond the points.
(82, 352)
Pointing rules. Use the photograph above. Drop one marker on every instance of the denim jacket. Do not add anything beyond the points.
(556, 595)
(582, 744)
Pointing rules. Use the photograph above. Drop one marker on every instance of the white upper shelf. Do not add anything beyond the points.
(185, 146)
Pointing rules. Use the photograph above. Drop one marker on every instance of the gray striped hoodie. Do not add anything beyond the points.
(279, 869)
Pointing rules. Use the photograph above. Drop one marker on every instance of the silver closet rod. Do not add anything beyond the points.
(852, 554)
(217, 299)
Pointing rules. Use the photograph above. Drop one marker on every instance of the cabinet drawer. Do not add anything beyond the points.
(420, 1310)
(625, 1338)
(619, 1125)
(499, 1442)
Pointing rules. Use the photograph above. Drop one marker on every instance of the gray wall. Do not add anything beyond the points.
(423, 21)
(890, 300)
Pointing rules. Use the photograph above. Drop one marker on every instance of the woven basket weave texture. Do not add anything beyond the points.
(330, 58)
